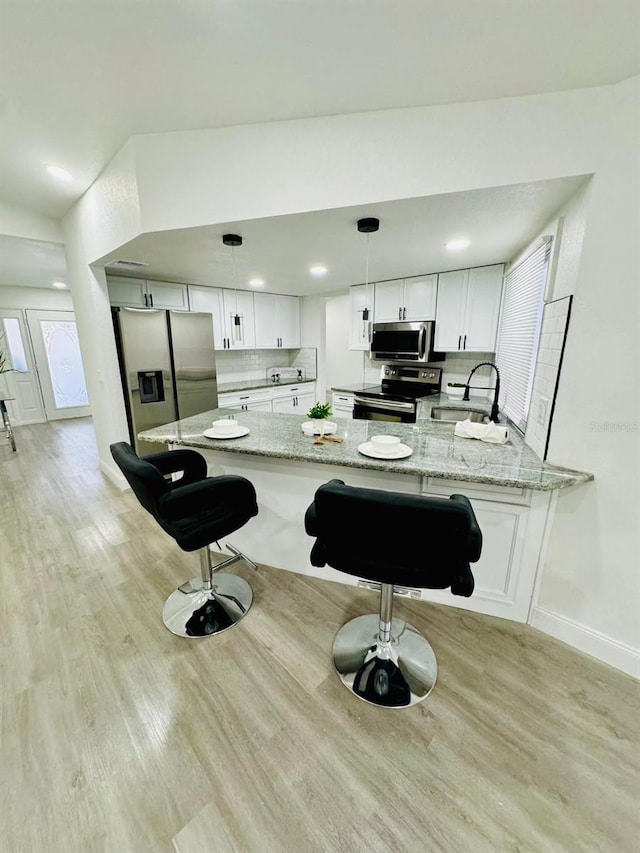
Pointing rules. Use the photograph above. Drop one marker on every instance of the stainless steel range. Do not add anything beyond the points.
(395, 399)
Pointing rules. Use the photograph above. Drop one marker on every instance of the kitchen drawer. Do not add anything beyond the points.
(238, 400)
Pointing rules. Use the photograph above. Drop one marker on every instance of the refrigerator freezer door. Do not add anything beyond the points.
(146, 360)
(194, 362)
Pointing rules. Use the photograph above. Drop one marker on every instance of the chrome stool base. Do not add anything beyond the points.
(394, 674)
(193, 611)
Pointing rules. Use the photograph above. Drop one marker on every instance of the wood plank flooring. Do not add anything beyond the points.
(118, 736)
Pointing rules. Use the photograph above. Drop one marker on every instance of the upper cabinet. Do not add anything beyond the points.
(277, 321)
(467, 310)
(233, 315)
(406, 299)
(361, 313)
(144, 293)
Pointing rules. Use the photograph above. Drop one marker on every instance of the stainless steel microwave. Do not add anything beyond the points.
(404, 342)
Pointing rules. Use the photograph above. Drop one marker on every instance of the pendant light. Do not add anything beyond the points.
(369, 225)
(234, 240)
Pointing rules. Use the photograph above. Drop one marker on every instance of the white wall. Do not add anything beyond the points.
(344, 366)
(35, 298)
(201, 178)
(17, 222)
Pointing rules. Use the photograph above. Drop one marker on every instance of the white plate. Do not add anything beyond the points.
(240, 431)
(401, 452)
(324, 428)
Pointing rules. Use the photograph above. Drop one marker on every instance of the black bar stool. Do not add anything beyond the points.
(396, 541)
(195, 510)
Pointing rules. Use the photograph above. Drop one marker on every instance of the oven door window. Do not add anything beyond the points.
(370, 411)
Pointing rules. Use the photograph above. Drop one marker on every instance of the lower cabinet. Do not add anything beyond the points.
(513, 523)
(258, 400)
(342, 405)
(296, 399)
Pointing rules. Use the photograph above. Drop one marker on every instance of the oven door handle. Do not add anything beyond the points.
(382, 404)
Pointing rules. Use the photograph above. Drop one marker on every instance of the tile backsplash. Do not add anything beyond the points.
(238, 365)
(455, 368)
(555, 321)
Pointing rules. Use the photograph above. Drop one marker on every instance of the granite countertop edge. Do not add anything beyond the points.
(438, 453)
(254, 384)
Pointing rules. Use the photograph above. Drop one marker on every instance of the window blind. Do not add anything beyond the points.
(519, 332)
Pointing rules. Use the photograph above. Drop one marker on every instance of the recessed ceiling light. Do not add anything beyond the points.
(256, 282)
(456, 245)
(60, 285)
(318, 270)
(58, 172)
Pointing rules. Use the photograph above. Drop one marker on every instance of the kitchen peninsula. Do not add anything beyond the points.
(512, 491)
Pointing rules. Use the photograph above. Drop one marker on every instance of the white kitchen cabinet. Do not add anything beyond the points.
(513, 523)
(211, 301)
(361, 314)
(406, 299)
(342, 405)
(296, 399)
(167, 294)
(258, 400)
(468, 308)
(127, 292)
(145, 293)
(277, 321)
(239, 320)
(223, 305)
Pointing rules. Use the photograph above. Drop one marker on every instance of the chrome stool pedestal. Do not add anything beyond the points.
(384, 661)
(211, 603)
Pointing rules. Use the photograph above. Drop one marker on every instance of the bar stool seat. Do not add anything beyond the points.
(397, 542)
(195, 510)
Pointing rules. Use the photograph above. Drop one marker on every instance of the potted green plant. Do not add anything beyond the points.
(455, 390)
(318, 416)
(320, 411)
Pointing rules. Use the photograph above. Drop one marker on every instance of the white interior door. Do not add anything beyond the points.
(54, 336)
(21, 382)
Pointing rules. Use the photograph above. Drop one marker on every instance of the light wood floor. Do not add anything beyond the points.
(118, 736)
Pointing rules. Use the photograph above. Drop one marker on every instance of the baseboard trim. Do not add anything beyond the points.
(600, 646)
(113, 473)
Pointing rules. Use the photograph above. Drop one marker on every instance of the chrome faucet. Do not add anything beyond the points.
(496, 389)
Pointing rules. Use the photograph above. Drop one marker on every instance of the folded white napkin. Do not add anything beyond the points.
(493, 433)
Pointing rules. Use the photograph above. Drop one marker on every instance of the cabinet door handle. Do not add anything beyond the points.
(459, 340)
(151, 299)
(146, 302)
(464, 345)
(399, 313)
(404, 313)
(246, 397)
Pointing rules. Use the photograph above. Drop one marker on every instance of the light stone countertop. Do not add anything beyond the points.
(254, 384)
(436, 451)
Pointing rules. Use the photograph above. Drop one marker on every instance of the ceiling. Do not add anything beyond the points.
(79, 77)
(499, 222)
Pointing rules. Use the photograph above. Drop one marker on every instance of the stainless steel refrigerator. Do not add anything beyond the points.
(168, 367)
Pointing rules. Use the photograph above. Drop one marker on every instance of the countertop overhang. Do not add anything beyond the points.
(437, 452)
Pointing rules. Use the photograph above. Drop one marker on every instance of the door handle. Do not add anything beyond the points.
(146, 301)
(459, 340)
(464, 345)
(404, 313)
(399, 313)
(151, 299)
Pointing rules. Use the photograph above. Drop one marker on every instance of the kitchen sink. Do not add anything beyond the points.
(476, 416)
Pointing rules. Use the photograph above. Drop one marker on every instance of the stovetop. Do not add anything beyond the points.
(404, 395)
